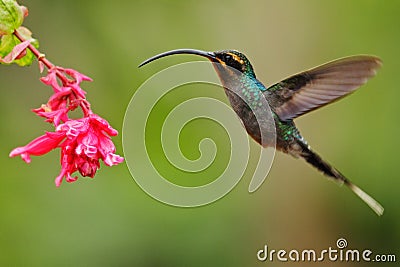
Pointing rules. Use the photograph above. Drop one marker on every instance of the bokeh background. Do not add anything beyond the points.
(110, 221)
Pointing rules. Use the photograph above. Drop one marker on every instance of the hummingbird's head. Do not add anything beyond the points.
(234, 59)
(225, 58)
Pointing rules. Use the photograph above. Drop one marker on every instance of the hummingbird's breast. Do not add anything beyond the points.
(251, 102)
(246, 97)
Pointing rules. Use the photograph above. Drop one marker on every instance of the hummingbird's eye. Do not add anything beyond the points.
(227, 58)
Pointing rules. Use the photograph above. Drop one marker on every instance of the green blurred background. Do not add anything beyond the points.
(110, 221)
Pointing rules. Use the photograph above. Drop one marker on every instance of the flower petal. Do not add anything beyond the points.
(77, 76)
(113, 159)
(103, 125)
(70, 179)
(59, 178)
(38, 146)
(51, 79)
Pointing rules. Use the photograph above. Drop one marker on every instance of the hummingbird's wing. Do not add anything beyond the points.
(321, 85)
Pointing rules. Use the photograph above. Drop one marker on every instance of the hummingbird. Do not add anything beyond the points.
(289, 99)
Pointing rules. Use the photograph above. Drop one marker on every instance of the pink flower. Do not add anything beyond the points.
(67, 96)
(38, 146)
(57, 108)
(51, 79)
(83, 143)
(77, 78)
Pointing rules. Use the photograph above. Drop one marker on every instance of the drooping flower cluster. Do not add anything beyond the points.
(83, 142)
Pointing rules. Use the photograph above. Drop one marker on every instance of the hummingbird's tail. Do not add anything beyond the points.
(315, 160)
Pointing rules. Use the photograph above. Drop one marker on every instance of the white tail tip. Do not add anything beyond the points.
(372, 203)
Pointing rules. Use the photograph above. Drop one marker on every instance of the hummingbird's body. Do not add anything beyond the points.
(245, 98)
(287, 100)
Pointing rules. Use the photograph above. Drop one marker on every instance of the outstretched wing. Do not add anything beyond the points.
(321, 85)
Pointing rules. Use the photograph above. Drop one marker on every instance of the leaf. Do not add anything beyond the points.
(8, 46)
(11, 50)
(18, 51)
(29, 57)
(11, 16)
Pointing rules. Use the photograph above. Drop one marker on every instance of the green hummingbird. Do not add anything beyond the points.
(289, 99)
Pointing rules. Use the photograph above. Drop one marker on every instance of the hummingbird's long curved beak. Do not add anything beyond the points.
(209, 55)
